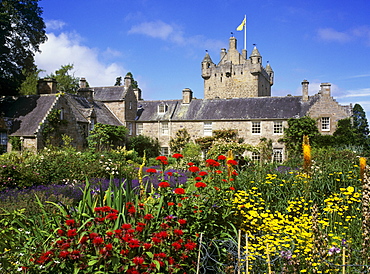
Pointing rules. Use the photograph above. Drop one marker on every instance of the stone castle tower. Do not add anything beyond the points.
(235, 76)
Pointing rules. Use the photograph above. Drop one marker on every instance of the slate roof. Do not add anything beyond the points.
(107, 94)
(228, 109)
(84, 108)
(26, 112)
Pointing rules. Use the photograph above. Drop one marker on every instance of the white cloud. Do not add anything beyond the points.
(356, 93)
(66, 48)
(54, 24)
(329, 34)
(173, 33)
(358, 33)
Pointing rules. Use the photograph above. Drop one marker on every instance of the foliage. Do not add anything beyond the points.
(221, 147)
(16, 143)
(66, 82)
(118, 81)
(205, 142)
(297, 128)
(22, 31)
(105, 137)
(265, 150)
(29, 85)
(134, 83)
(142, 143)
(192, 152)
(50, 128)
(181, 139)
(359, 121)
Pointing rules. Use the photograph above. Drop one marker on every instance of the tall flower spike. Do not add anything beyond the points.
(230, 156)
(140, 175)
(362, 167)
(306, 154)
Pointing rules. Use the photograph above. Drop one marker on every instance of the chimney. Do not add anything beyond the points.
(127, 80)
(232, 43)
(47, 86)
(223, 53)
(305, 84)
(187, 95)
(83, 83)
(325, 89)
(137, 92)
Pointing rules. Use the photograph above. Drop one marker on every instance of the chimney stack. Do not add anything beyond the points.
(83, 83)
(187, 95)
(305, 84)
(47, 86)
(325, 89)
(128, 81)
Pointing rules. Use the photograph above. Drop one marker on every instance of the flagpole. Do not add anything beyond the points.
(245, 32)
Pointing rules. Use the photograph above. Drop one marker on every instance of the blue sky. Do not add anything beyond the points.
(163, 42)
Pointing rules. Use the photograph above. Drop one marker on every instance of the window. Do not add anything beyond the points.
(278, 127)
(130, 105)
(162, 108)
(164, 129)
(325, 123)
(139, 129)
(3, 141)
(61, 114)
(129, 127)
(164, 151)
(92, 123)
(256, 157)
(207, 128)
(256, 127)
(278, 155)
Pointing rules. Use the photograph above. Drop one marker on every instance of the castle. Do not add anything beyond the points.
(237, 95)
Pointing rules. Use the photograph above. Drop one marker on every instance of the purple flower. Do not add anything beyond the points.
(333, 250)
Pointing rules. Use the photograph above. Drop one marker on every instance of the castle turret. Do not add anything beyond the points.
(206, 65)
(270, 73)
(236, 76)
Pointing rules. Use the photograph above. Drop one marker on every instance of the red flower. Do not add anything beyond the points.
(71, 233)
(178, 232)
(148, 216)
(171, 261)
(177, 156)
(138, 260)
(126, 226)
(60, 232)
(70, 222)
(134, 243)
(190, 245)
(182, 221)
(221, 157)
(163, 184)
(63, 254)
(98, 241)
(200, 184)
(232, 188)
(179, 190)
(169, 173)
(109, 247)
(112, 216)
(147, 246)
(176, 245)
(232, 162)
(215, 187)
(194, 169)
(190, 164)
(109, 233)
(83, 239)
(218, 171)
(151, 170)
(93, 235)
(211, 162)
(162, 159)
(198, 178)
(170, 203)
(203, 173)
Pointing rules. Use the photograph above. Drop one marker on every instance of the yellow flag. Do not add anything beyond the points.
(241, 26)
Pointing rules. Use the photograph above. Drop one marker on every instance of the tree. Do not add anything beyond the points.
(360, 122)
(178, 143)
(143, 143)
(297, 128)
(66, 82)
(345, 134)
(104, 137)
(29, 85)
(22, 30)
(134, 83)
(118, 81)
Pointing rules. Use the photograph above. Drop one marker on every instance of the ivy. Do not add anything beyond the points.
(105, 137)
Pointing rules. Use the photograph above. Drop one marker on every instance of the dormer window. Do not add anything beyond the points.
(162, 108)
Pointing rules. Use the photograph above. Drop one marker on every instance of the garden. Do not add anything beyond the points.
(65, 211)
